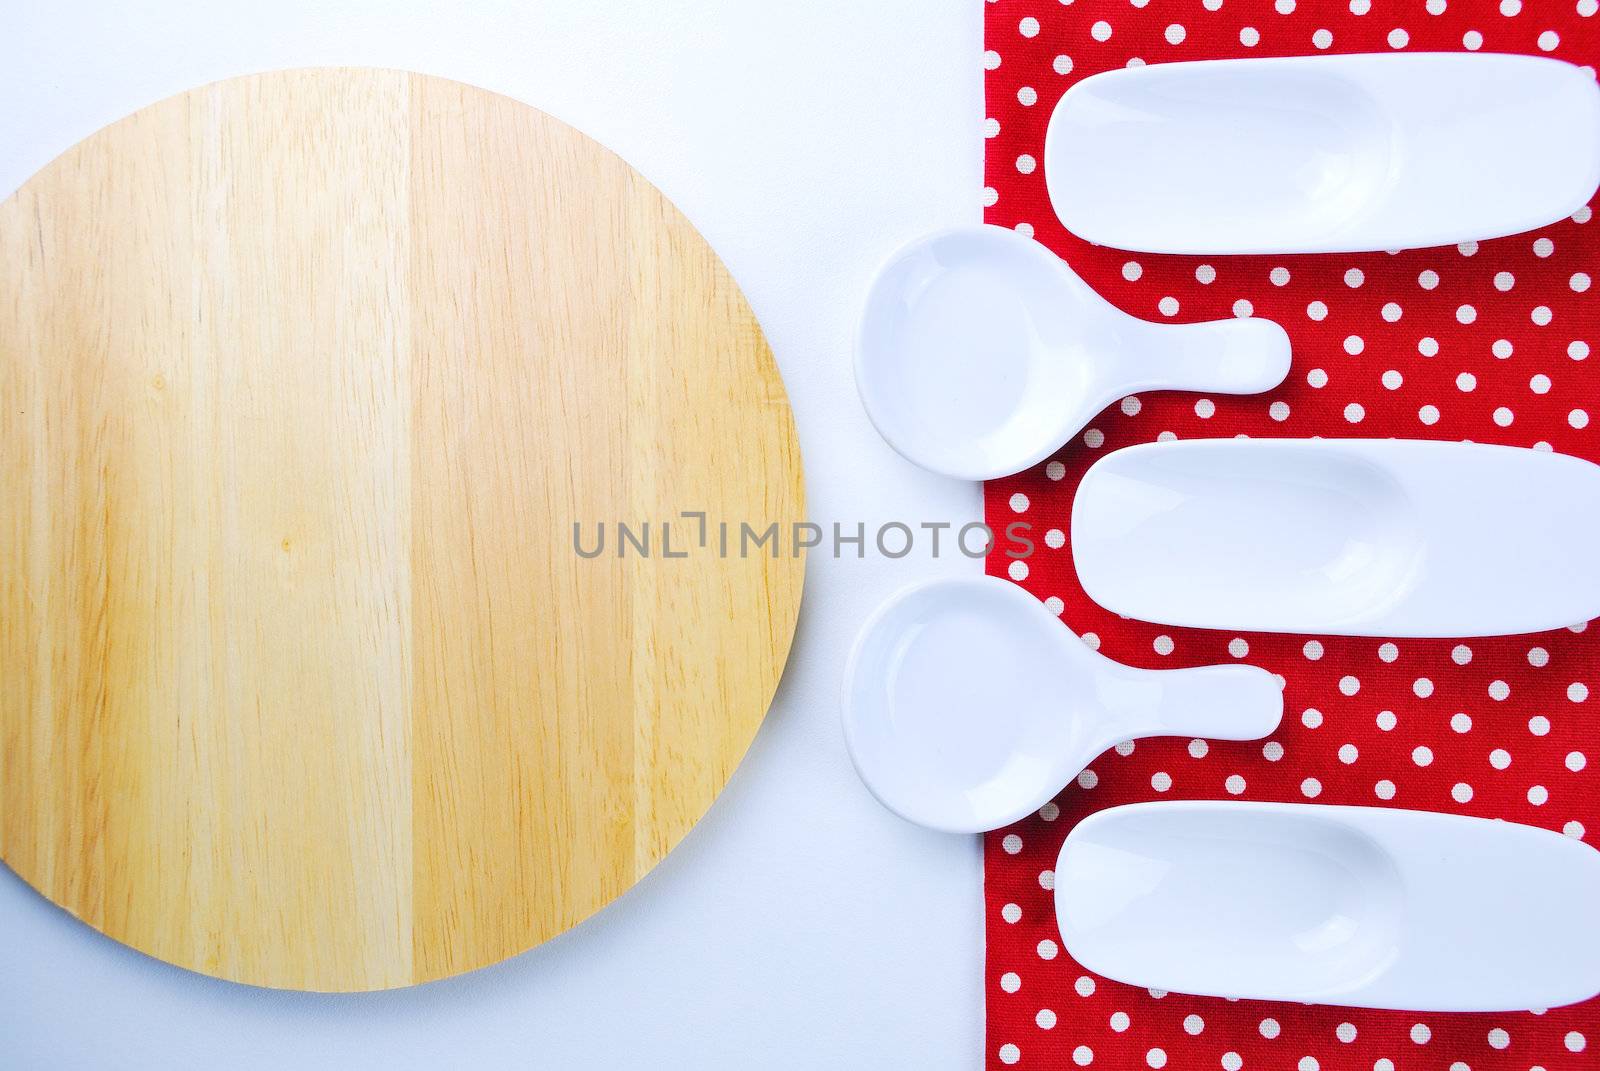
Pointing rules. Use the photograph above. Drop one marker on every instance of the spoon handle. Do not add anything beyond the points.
(1226, 702)
(1238, 356)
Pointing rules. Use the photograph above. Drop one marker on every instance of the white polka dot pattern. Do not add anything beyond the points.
(1485, 341)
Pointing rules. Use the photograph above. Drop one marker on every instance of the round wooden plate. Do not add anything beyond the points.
(305, 380)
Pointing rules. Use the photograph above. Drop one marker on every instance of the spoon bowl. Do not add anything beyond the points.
(967, 705)
(981, 353)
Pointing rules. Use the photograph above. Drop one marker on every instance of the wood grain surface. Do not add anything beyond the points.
(305, 378)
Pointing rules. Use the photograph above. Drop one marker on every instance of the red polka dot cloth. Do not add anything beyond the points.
(1486, 341)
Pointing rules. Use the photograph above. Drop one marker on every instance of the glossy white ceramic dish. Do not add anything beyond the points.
(1311, 154)
(981, 353)
(1361, 906)
(967, 704)
(1357, 537)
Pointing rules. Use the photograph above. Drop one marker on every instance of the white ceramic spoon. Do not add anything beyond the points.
(1313, 154)
(1355, 537)
(981, 353)
(968, 705)
(1367, 907)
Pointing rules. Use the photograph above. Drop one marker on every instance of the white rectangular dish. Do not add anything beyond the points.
(1355, 537)
(1366, 907)
(1321, 154)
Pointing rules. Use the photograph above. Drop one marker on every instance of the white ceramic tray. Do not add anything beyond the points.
(1358, 537)
(1323, 153)
(1361, 906)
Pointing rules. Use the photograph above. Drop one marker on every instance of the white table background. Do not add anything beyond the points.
(799, 925)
